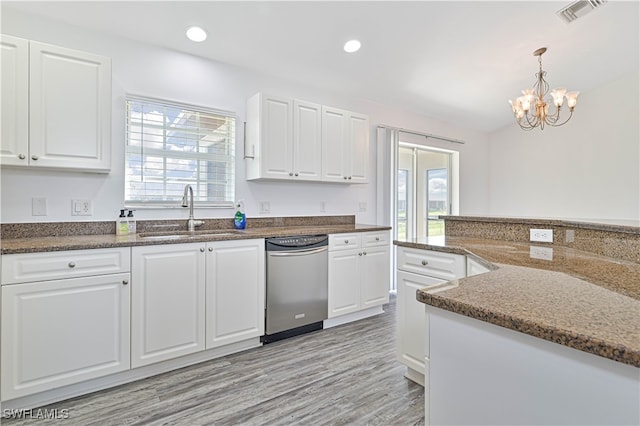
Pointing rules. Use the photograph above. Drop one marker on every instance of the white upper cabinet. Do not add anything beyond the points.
(307, 141)
(14, 139)
(345, 146)
(56, 105)
(299, 140)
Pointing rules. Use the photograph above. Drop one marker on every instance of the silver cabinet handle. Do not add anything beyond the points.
(290, 173)
(377, 238)
(125, 282)
(201, 249)
(359, 254)
(72, 264)
(349, 177)
(34, 157)
(210, 248)
(296, 174)
(344, 177)
(364, 252)
(346, 241)
(425, 263)
(21, 156)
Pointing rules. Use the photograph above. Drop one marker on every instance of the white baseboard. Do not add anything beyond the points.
(354, 316)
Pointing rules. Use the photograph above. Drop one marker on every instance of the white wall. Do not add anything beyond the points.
(152, 71)
(587, 169)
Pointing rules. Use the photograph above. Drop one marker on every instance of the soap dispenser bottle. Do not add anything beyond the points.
(131, 222)
(122, 224)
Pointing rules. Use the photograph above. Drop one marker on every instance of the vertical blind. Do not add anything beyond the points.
(171, 145)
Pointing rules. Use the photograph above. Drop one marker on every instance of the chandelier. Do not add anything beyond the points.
(534, 108)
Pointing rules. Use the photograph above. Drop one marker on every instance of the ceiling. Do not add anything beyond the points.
(452, 60)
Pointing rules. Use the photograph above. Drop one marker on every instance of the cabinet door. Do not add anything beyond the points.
(307, 141)
(14, 127)
(411, 318)
(276, 142)
(344, 282)
(334, 138)
(376, 269)
(168, 302)
(235, 291)
(70, 109)
(359, 148)
(55, 333)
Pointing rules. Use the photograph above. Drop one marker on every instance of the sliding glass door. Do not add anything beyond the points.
(423, 191)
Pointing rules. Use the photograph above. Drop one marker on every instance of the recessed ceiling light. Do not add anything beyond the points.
(196, 34)
(352, 46)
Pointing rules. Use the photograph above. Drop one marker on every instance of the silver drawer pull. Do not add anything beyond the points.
(346, 241)
(359, 254)
(377, 238)
(125, 282)
(72, 264)
(296, 174)
(364, 252)
(290, 173)
(34, 157)
(210, 248)
(425, 263)
(201, 249)
(21, 156)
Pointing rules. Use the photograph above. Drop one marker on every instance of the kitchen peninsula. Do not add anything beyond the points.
(550, 335)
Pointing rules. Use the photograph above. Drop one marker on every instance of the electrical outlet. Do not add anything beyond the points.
(362, 206)
(265, 207)
(570, 236)
(38, 207)
(541, 235)
(81, 208)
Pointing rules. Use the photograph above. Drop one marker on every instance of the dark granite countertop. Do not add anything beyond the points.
(578, 299)
(78, 242)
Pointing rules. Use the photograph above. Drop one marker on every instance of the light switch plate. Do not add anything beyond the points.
(38, 207)
(265, 207)
(81, 208)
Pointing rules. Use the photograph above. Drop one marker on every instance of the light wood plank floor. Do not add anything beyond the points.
(346, 375)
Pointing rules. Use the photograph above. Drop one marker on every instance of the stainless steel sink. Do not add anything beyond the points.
(175, 235)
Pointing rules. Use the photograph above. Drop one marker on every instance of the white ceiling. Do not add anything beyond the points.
(452, 60)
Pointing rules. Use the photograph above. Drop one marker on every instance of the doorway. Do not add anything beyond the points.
(424, 191)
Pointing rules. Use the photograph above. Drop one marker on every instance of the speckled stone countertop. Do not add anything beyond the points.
(78, 242)
(578, 299)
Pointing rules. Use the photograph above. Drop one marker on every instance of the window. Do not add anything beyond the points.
(170, 145)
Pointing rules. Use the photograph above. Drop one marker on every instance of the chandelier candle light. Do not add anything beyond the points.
(531, 110)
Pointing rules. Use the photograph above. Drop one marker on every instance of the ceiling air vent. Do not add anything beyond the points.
(578, 9)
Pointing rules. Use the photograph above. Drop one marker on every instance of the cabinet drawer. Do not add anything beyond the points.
(375, 239)
(344, 241)
(31, 267)
(446, 266)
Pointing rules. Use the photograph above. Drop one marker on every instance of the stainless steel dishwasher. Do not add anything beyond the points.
(297, 281)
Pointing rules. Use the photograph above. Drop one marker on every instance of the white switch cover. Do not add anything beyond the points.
(265, 207)
(38, 207)
(541, 235)
(362, 206)
(81, 208)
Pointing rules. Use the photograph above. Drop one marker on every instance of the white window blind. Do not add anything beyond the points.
(171, 145)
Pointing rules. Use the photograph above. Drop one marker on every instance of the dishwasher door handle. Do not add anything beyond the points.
(296, 252)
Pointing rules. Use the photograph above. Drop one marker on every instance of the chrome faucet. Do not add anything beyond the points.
(187, 201)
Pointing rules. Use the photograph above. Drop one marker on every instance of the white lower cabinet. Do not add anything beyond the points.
(417, 268)
(196, 296)
(65, 330)
(411, 321)
(168, 302)
(235, 291)
(359, 272)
